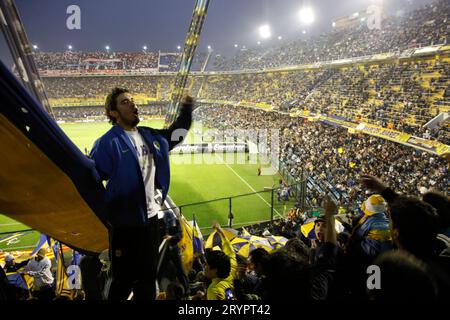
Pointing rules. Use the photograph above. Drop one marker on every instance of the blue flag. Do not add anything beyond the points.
(42, 239)
(197, 237)
(63, 177)
(17, 280)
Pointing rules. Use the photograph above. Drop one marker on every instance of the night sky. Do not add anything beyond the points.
(127, 25)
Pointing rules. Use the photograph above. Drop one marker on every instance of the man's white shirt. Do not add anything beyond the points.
(148, 169)
(40, 271)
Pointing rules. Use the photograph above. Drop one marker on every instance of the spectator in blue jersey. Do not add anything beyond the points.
(371, 232)
(415, 229)
(370, 237)
(134, 161)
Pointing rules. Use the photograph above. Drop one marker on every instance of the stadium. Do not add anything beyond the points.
(326, 151)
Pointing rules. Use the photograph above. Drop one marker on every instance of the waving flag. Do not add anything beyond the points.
(63, 288)
(277, 241)
(42, 240)
(186, 244)
(243, 246)
(307, 228)
(214, 241)
(63, 196)
(197, 238)
(15, 279)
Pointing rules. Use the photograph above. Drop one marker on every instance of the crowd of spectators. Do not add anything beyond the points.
(395, 247)
(124, 61)
(333, 158)
(402, 95)
(399, 224)
(77, 60)
(425, 26)
(91, 87)
(398, 95)
(98, 113)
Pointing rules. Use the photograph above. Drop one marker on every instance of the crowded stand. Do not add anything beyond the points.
(405, 236)
(69, 114)
(101, 61)
(370, 201)
(74, 60)
(403, 96)
(422, 27)
(90, 87)
(333, 158)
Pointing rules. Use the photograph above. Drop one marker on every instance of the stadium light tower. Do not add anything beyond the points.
(265, 32)
(107, 48)
(306, 15)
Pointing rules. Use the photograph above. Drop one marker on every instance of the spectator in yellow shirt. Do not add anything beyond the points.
(220, 269)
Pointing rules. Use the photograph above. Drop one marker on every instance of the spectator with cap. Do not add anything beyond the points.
(40, 269)
(371, 232)
(370, 237)
(11, 265)
(414, 227)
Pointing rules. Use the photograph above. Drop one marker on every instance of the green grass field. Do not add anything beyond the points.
(194, 178)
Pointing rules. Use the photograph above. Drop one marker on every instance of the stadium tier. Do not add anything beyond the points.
(397, 77)
(397, 94)
(425, 26)
(332, 157)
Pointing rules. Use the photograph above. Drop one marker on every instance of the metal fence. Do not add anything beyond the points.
(244, 209)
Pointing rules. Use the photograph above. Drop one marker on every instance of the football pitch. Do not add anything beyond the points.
(195, 179)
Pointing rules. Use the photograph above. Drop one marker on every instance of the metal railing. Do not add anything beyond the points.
(243, 209)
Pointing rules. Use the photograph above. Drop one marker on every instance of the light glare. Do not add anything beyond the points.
(264, 31)
(306, 15)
